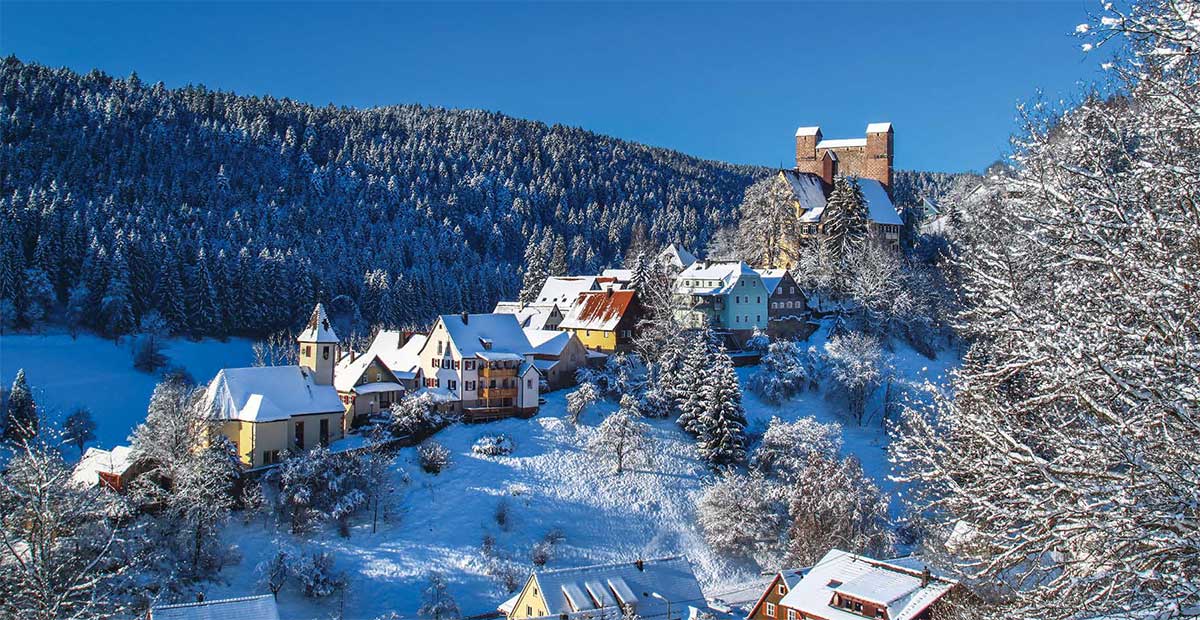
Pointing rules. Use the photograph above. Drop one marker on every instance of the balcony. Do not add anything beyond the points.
(496, 372)
(490, 393)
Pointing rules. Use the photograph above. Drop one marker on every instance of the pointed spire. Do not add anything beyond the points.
(319, 329)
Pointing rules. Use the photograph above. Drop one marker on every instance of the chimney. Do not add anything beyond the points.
(641, 565)
(608, 291)
(352, 355)
(925, 577)
(199, 597)
(465, 317)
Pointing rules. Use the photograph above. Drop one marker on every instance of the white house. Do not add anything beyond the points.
(484, 362)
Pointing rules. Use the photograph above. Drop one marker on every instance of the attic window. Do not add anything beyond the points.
(487, 344)
(834, 583)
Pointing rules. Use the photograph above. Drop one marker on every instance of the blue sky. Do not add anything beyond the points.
(721, 81)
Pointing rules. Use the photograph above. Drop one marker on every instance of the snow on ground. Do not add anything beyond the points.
(99, 374)
(550, 481)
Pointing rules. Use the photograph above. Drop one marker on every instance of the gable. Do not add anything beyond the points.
(531, 603)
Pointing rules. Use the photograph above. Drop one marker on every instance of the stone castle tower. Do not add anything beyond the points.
(870, 157)
(319, 347)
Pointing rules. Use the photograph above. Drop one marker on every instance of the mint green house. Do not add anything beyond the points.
(728, 296)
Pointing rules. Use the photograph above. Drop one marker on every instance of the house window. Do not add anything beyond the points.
(468, 364)
(791, 614)
(758, 318)
(299, 435)
(456, 364)
(452, 384)
(325, 429)
(782, 589)
(792, 291)
(307, 350)
(758, 300)
(325, 352)
(439, 347)
(529, 383)
(770, 610)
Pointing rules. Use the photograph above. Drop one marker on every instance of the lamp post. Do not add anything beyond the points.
(664, 599)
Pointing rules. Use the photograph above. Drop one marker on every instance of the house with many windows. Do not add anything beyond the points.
(787, 305)
(266, 411)
(481, 365)
(727, 296)
(557, 355)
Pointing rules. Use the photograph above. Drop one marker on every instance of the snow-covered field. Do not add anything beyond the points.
(96, 373)
(549, 482)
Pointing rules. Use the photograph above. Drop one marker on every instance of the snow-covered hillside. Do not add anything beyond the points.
(549, 482)
(96, 373)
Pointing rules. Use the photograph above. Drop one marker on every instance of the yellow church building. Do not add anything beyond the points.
(267, 411)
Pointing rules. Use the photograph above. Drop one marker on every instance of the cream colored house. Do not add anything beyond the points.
(389, 370)
(665, 589)
(481, 365)
(267, 411)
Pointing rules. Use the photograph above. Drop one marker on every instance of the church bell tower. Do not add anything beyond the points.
(319, 347)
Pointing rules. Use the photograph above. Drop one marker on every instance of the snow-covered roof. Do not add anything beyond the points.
(726, 274)
(808, 131)
(400, 359)
(879, 206)
(544, 366)
(439, 395)
(879, 127)
(96, 461)
(485, 333)
(244, 608)
(618, 275)
(318, 328)
(841, 143)
(535, 317)
(382, 386)
(676, 255)
(268, 393)
(771, 278)
(898, 588)
(637, 584)
(599, 310)
(809, 190)
(563, 291)
(548, 341)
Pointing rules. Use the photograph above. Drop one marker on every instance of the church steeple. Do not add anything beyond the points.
(319, 346)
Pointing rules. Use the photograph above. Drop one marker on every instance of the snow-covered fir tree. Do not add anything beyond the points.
(436, 602)
(721, 426)
(846, 222)
(21, 418)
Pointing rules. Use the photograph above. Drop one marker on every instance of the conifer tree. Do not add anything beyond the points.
(115, 307)
(845, 220)
(536, 269)
(689, 384)
(721, 430)
(22, 417)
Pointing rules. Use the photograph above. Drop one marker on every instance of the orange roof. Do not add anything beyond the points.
(599, 310)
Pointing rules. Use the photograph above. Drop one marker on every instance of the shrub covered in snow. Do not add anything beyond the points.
(784, 371)
(316, 574)
(493, 445)
(433, 456)
(744, 516)
(622, 373)
(319, 485)
(857, 366)
(416, 415)
(758, 341)
(436, 602)
(582, 398)
(786, 447)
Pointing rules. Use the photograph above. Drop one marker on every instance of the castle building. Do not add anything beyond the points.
(819, 161)
(266, 411)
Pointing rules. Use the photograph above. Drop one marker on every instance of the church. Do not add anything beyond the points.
(269, 410)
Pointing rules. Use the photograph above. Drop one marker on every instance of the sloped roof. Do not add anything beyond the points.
(808, 131)
(535, 317)
(599, 310)
(617, 275)
(400, 359)
(809, 190)
(588, 588)
(244, 608)
(676, 255)
(771, 278)
(267, 394)
(485, 334)
(318, 328)
(879, 206)
(548, 341)
(879, 127)
(896, 587)
(728, 273)
(563, 291)
(96, 461)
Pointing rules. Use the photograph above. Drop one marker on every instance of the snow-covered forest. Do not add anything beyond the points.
(230, 214)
